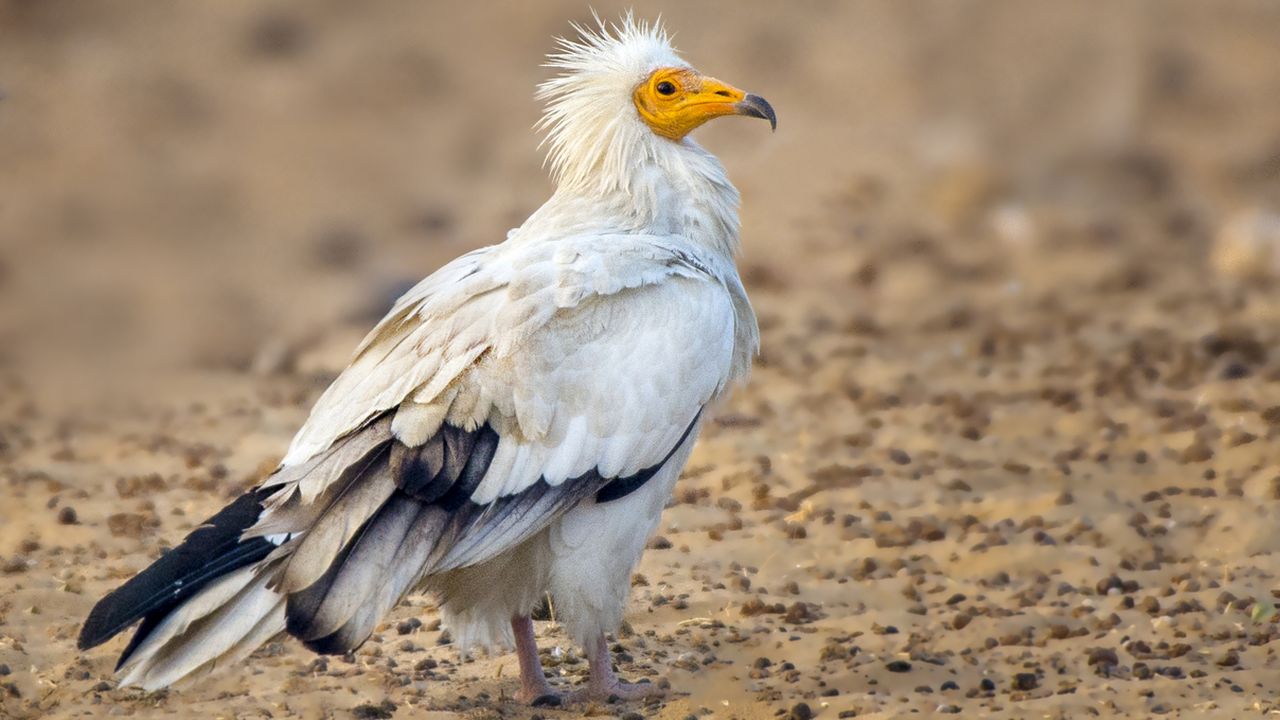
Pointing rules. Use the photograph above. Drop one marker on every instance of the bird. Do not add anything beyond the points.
(514, 426)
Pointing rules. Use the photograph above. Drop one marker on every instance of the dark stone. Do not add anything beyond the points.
(800, 711)
(1025, 681)
(368, 711)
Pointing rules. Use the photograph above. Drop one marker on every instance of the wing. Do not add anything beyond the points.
(485, 406)
(489, 300)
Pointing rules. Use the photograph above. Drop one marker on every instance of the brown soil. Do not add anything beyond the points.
(1009, 449)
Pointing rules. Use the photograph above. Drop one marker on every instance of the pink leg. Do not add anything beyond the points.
(534, 688)
(604, 684)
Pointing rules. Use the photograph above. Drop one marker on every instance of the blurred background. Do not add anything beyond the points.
(1015, 264)
(185, 184)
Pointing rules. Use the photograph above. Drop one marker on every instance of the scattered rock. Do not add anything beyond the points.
(1103, 657)
(1025, 681)
(800, 711)
(67, 516)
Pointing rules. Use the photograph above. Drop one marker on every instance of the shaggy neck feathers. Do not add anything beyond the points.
(605, 160)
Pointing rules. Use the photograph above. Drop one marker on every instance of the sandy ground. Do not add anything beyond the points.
(1009, 450)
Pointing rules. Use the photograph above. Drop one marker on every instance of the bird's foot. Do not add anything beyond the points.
(603, 684)
(615, 691)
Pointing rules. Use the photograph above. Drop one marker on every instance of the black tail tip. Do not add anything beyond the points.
(211, 550)
(101, 625)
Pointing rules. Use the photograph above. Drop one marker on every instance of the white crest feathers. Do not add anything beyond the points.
(586, 135)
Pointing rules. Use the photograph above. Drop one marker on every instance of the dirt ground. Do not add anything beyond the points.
(1009, 449)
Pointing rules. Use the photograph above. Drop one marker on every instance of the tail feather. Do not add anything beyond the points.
(157, 631)
(212, 550)
(205, 629)
(271, 625)
(268, 627)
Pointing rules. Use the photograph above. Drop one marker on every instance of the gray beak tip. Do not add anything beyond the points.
(757, 107)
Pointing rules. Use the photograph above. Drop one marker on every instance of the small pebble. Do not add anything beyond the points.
(1025, 681)
(1150, 605)
(67, 516)
(1105, 657)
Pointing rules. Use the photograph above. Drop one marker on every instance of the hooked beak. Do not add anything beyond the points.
(757, 107)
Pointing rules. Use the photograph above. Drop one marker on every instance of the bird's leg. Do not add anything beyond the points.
(603, 683)
(534, 688)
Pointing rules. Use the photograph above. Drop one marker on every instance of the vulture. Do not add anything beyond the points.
(514, 426)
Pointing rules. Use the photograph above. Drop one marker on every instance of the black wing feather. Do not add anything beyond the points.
(440, 476)
(211, 550)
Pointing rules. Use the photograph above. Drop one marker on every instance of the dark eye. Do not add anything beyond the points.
(666, 87)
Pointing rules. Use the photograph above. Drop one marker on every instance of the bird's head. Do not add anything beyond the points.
(673, 101)
(624, 95)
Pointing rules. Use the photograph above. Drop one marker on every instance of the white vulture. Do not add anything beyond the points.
(514, 426)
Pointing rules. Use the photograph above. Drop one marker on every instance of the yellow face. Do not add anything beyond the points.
(674, 101)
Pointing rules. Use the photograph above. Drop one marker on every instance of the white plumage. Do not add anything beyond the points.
(516, 423)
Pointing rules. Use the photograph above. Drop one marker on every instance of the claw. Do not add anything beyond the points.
(549, 699)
